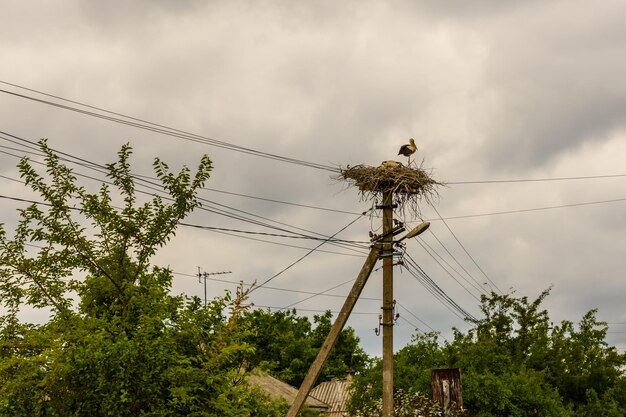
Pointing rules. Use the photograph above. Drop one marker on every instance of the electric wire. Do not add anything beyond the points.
(474, 283)
(317, 310)
(574, 178)
(505, 212)
(267, 287)
(429, 251)
(142, 123)
(288, 245)
(325, 293)
(526, 210)
(465, 250)
(415, 316)
(434, 293)
(157, 128)
(318, 294)
(281, 202)
(306, 254)
(198, 226)
(221, 209)
(213, 229)
(12, 179)
(415, 326)
(419, 274)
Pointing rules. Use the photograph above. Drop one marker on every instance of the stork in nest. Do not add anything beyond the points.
(408, 150)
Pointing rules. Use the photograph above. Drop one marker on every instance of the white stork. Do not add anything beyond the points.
(408, 150)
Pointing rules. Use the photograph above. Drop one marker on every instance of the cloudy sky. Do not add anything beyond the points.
(492, 91)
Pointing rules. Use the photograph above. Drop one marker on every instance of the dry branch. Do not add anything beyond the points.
(409, 185)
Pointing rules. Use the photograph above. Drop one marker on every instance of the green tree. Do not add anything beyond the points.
(117, 343)
(514, 362)
(286, 344)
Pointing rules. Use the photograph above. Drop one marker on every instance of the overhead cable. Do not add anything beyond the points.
(465, 250)
(157, 128)
(307, 254)
(418, 273)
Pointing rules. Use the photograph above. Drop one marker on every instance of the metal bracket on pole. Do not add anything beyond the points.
(387, 206)
(396, 230)
(380, 324)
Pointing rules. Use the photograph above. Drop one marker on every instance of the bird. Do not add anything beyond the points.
(408, 150)
(390, 164)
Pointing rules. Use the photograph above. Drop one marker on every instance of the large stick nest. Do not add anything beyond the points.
(409, 185)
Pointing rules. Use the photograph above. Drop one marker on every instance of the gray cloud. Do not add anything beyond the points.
(489, 91)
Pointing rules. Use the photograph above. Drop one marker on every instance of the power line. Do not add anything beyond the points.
(214, 229)
(12, 179)
(158, 128)
(353, 246)
(429, 249)
(496, 213)
(586, 177)
(317, 294)
(419, 274)
(220, 209)
(307, 254)
(475, 284)
(417, 318)
(415, 326)
(238, 148)
(270, 200)
(317, 311)
(515, 211)
(288, 245)
(325, 293)
(267, 287)
(464, 249)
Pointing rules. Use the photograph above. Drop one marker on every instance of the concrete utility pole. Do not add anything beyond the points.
(333, 335)
(383, 250)
(387, 255)
(390, 179)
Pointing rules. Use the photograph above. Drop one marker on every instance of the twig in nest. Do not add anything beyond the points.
(408, 185)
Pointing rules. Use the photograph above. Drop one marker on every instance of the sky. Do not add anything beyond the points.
(518, 107)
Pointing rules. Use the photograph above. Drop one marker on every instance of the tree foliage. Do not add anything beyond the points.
(286, 345)
(515, 362)
(117, 343)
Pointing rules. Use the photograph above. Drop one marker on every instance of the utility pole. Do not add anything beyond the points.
(333, 335)
(388, 319)
(408, 185)
(205, 275)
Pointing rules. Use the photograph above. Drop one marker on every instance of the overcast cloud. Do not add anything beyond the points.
(490, 90)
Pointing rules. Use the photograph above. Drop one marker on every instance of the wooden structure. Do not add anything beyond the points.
(447, 389)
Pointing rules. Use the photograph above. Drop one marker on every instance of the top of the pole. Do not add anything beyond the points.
(407, 184)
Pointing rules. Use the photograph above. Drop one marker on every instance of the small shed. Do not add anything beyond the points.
(447, 388)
